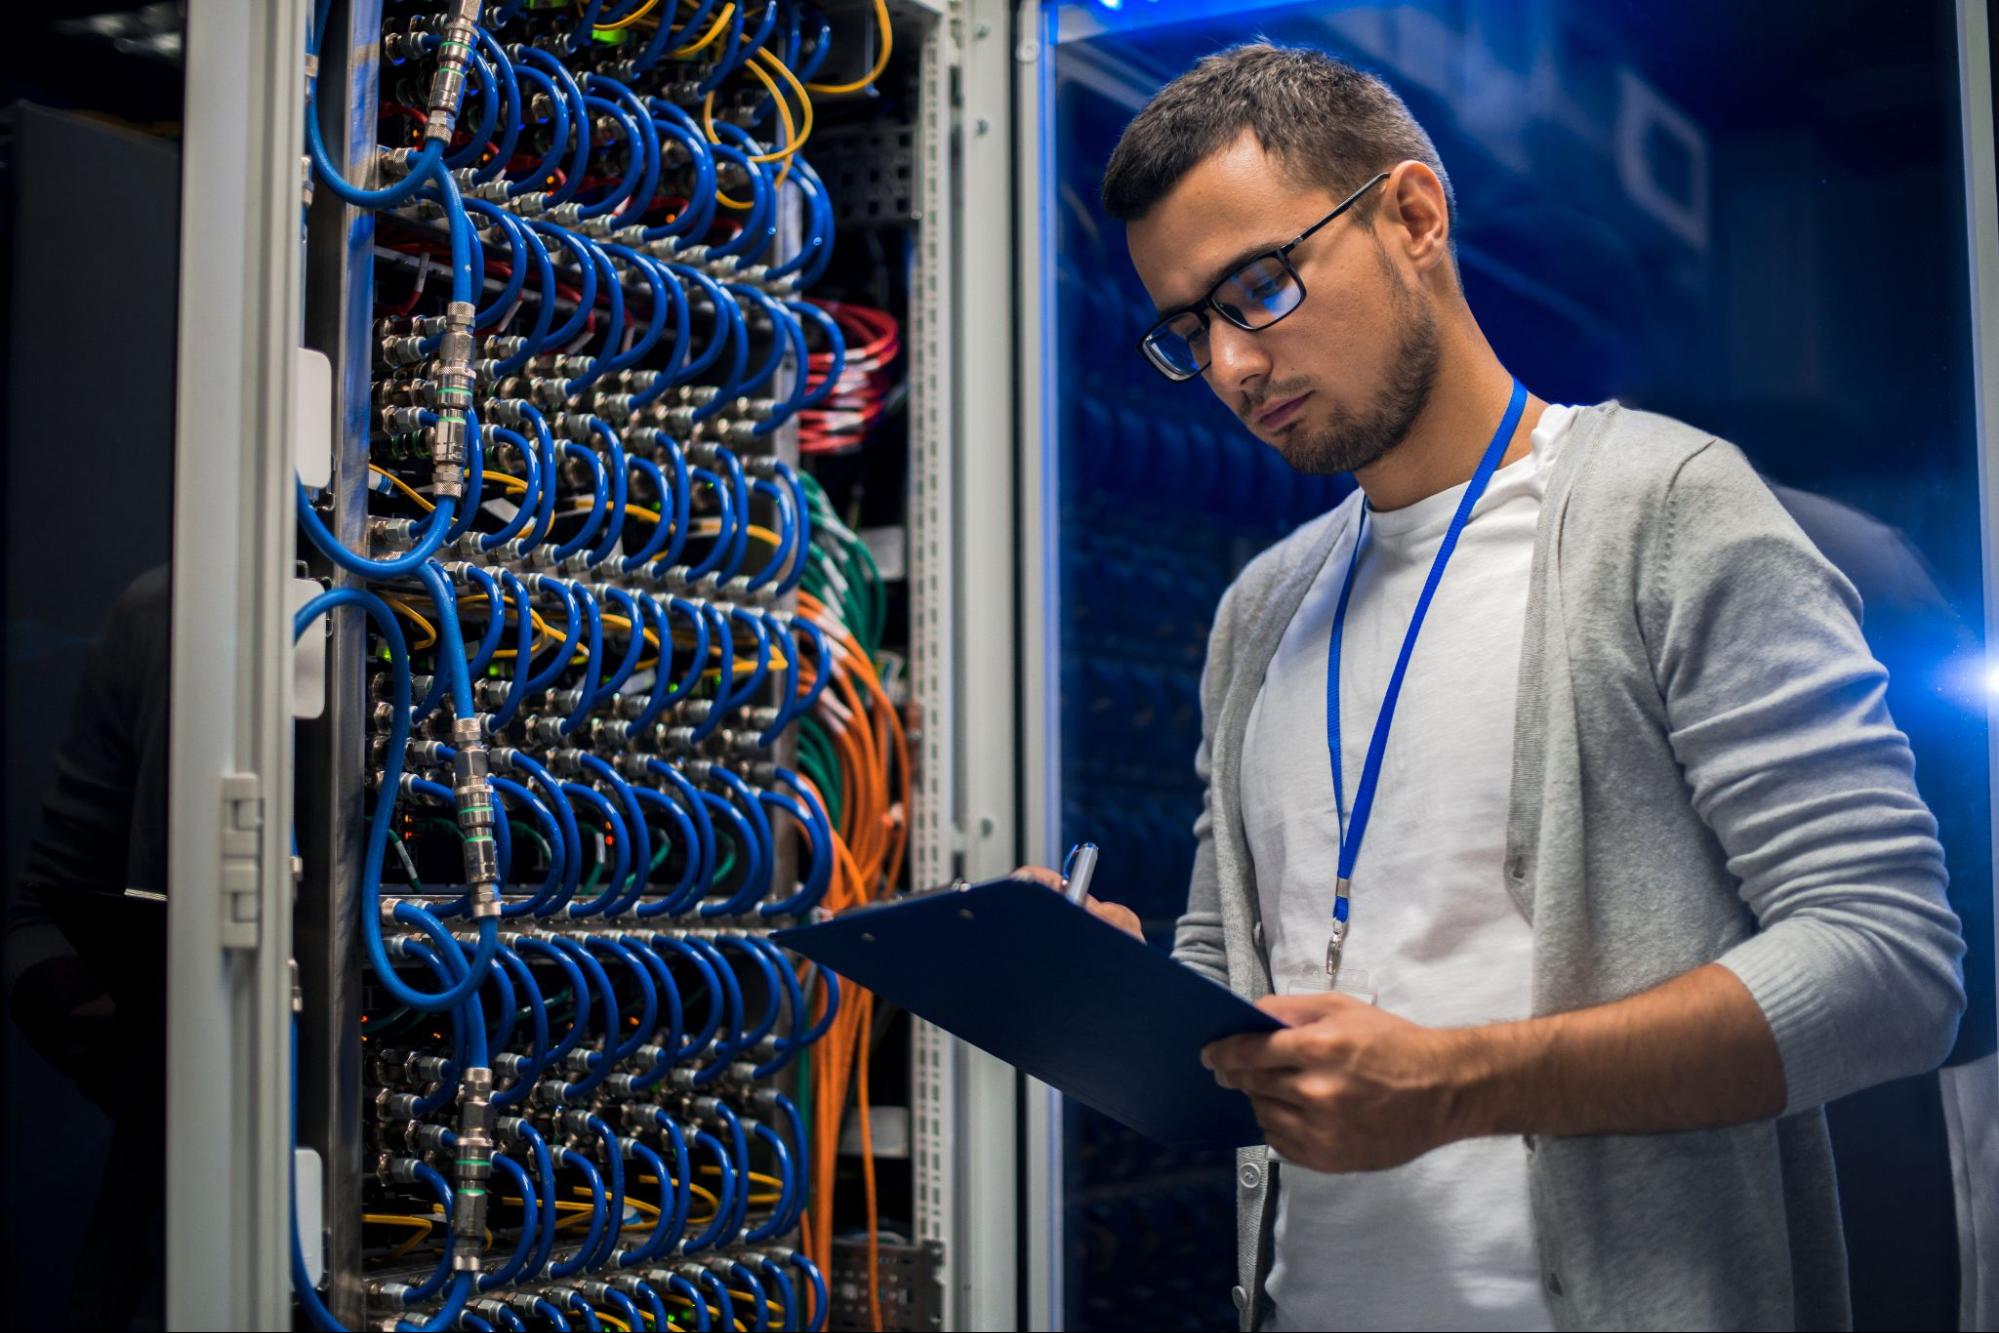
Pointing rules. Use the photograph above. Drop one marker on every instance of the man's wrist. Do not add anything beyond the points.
(1496, 1074)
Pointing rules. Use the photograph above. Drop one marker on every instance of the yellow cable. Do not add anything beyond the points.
(615, 1322)
(404, 608)
(403, 486)
(784, 118)
(631, 511)
(584, 1191)
(793, 139)
(798, 89)
(399, 1220)
(678, 1299)
(759, 1177)
(708, 38)
(708, 527)
(769, 1304)
(625, 22)
(881, 61)
(624, 623)
(422, 1227)
(505, 480)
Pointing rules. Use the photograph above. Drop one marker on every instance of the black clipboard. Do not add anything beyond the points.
(1025, 975)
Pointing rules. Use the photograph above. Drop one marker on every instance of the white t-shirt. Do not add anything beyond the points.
(1446, 1241)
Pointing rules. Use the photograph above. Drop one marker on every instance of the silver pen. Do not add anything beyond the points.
(1077, 867)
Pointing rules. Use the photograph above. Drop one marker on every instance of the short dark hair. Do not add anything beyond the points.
(1325, 120)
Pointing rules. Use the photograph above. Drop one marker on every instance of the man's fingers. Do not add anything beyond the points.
(1280, 1118)
(1293, 1010)
(1251, 1050)
(1273, 1085)
(1116, 914)
(1040, 875)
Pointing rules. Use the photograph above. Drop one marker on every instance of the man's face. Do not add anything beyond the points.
(1339, 381)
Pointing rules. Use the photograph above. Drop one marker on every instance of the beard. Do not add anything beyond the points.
(1348, 443)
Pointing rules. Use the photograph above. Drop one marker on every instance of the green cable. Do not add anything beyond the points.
(836, 807)
(816, 757)
(397, 1020)
(805, 1086)
(527, 1010)
(521, 828)
(877, 592)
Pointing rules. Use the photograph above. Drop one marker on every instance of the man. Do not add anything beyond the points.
(85, 948)
(1572, 953)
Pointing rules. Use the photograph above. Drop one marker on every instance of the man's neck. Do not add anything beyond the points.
(1444, 445)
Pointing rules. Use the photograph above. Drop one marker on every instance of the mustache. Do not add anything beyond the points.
(1253, 405)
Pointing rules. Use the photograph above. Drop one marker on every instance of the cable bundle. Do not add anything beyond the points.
(864, 380)
(578, 1035)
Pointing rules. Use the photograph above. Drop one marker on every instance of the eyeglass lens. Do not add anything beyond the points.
(1255, 296)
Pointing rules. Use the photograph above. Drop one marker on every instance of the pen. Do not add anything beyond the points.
(1077, 868)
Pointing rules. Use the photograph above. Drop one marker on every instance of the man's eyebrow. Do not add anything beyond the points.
(1222, 270)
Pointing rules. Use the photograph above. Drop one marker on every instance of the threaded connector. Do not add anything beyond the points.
(474, 1165)
(454, 386)
(454, 62)
(474, 796)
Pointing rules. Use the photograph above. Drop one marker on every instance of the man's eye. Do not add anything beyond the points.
(1263, 291)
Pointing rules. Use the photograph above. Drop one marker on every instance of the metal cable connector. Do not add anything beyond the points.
(454, 63)
(474, 796)
(474, 1167)
(455, 383)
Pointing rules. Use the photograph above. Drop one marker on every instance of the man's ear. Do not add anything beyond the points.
(1414, 218)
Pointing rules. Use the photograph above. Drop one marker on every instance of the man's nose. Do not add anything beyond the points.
(1238, 361)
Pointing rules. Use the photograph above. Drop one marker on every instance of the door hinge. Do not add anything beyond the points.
(242, 900)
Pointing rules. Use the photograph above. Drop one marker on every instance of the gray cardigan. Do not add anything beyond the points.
(1704, 769)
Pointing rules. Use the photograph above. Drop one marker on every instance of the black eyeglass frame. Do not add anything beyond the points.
(1282, 254)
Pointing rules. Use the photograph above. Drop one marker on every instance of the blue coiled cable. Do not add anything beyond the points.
(614, 1169)
(755, 1288)
(690, 846)
(579, 118)
(562, 1268)
(600, 499)
(385, 803)
(621, 852)
(817, 1280)
(717, 1008)
(558, 142)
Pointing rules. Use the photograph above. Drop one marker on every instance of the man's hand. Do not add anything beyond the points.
(1123, 918)
(72, 1022)
(1345, 1087)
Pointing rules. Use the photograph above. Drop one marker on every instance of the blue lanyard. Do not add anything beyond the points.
(1354, 828)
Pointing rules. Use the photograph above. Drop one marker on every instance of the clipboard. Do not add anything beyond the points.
(1021, 973)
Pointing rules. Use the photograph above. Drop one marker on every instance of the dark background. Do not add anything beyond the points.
(89, 249)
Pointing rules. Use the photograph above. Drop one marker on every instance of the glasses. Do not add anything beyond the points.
(1252, 296)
